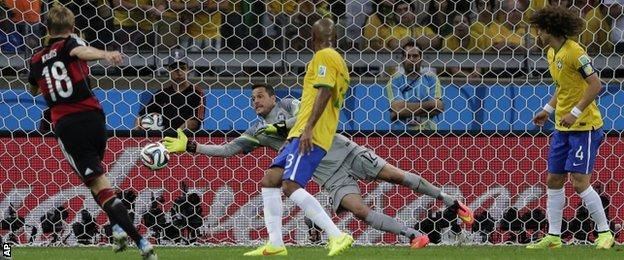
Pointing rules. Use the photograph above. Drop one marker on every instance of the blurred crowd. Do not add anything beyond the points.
(368, 25)
(181, 225)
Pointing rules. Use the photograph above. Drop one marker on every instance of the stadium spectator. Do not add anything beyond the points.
(566, 3)
(531, 223)
(532, 6)
(355, 17)
(308, 14)
(289, 22)
(378, 26)
(408, 27)
(462, 40)
(26, 15)
(128, 197)
(90, 24)
(484, 226)
(279, 21)
(53, 222)
(512, 225)
(394, 29)
(415, 97)
(180, 103)
(134, 23)
(86, 229)
(439, 11)
(154, 219)
(186, 214)
(8, 40)
(616, 15)
(12, 222)
(580, 226)
(436, 223)
(484, 27)
(596, 35)
(509, 35)
(534, 221)
(204, 24)
(171, 28)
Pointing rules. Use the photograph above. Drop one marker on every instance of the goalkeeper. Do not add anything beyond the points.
(345, 162)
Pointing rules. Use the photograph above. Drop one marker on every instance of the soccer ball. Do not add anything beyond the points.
(155, 156)
(152, 121)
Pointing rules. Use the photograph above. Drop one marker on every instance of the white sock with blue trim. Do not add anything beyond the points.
(596, 210)
(272, 202)
(554, 210)
(314, 211)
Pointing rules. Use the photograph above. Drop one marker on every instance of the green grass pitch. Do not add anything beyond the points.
(314, 253)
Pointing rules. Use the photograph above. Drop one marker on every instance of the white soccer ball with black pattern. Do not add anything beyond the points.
(152, 121)
(155, 156)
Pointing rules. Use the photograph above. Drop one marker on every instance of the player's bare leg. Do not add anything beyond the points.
(355, 204)
(118, 215)
(392, 174)
(592, 201)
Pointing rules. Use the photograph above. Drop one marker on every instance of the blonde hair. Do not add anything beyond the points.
(60, 20)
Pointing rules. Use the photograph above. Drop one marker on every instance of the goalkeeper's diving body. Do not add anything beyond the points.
(338, 171)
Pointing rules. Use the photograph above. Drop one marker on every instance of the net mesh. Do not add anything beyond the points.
(482, 147)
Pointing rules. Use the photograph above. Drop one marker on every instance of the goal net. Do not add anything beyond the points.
(481, 57)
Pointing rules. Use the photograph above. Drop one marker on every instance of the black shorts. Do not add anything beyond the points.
(82, 138)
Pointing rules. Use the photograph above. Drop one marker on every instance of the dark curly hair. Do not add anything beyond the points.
(558, 21)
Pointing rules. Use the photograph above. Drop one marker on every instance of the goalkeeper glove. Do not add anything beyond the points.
(179, 144)
(278, 128)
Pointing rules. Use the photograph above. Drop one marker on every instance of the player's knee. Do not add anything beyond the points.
(288, 187)
(98, 184)
(272, 179)
(392, 174)
(580, 184)
(580, 187)
(360, 211)
(268, 182)
(354, 204)
(556, 181)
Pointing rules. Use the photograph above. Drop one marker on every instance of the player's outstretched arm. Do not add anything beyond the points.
(181, 144)
(322, 98)
(89, 53)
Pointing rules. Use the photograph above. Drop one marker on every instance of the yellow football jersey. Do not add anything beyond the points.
(569, 66)
(452, 43)
(205, 25)
(327, 69)
(134, 16)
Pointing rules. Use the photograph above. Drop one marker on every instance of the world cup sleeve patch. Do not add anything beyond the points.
(322, 70)
(586, 68)
(584, 60)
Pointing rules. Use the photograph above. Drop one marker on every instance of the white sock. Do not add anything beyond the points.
(594, 206)
(272, 200)
(314, 211)
(554, 210)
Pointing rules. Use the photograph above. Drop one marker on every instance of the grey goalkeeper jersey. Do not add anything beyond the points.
(284, 110)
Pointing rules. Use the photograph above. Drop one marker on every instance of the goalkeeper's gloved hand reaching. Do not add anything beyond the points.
(176, 145)
(278, 128)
